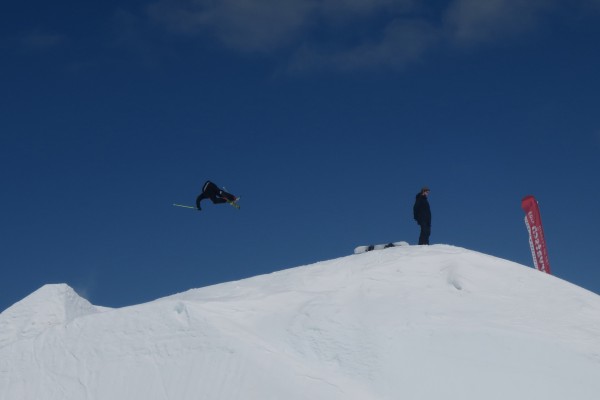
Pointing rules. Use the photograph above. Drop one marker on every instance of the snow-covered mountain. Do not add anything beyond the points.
(420, 322)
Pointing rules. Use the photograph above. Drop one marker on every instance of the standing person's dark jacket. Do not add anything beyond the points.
(422, 214)
(421, 210)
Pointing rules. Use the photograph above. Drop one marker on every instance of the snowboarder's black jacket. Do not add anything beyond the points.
(421, 210)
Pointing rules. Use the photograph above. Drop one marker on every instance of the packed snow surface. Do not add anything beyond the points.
(421, 322)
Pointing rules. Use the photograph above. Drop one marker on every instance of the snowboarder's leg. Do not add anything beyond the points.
(218, 200)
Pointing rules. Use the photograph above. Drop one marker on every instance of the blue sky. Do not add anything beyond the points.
(325, 116)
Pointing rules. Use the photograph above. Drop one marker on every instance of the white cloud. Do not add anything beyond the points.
(380, 34)
(351, 34)
(247, 25)
(403, 42)
(476, 21)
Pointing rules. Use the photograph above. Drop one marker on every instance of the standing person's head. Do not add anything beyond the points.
(425, 191)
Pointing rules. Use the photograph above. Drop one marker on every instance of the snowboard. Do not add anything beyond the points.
(231, 203)
(364, 249)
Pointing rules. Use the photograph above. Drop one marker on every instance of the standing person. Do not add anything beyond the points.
(422, 214)
(216, 195)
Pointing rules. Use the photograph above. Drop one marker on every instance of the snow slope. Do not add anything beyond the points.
(422, 322)
(48, 306)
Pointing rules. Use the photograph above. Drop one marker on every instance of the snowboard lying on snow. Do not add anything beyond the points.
(364, 249)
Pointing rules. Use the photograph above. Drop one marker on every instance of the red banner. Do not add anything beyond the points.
(533, 220)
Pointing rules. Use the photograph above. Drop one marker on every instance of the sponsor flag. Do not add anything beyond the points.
(533, 221)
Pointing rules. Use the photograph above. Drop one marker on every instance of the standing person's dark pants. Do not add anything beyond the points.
(425, 232)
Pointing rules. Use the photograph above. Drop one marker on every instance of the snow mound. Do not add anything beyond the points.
(420, 322)
(49, 306)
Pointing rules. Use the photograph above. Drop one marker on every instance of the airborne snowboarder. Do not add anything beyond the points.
(216, 195)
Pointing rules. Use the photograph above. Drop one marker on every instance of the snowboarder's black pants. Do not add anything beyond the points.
(425, 232)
